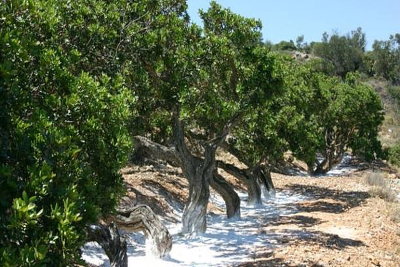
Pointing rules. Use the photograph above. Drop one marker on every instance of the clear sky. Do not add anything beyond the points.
(287, 19)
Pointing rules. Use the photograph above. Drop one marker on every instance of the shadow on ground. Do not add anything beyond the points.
(277, 262)
(299, 220)
(342, 200)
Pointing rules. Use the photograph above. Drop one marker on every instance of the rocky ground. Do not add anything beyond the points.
(329, 221)
(341, 225)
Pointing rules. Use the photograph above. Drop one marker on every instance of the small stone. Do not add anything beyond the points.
(375, 262)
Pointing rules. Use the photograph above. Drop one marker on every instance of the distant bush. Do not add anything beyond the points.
(394, 212)
(394, 155)
(394, 92)
(285, 46)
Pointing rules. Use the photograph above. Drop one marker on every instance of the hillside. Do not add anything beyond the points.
(390, 129)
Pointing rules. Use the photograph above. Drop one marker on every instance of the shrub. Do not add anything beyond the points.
(384, 193)
(62, 138)
(379, 187)
(394, 212)
(394, 155)
(376, 179)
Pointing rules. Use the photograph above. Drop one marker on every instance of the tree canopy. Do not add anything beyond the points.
(80, 78)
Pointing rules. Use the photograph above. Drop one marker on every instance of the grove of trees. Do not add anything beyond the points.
(84, 82)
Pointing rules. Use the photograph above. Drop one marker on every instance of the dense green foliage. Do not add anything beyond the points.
(394, 155)
(76, 75)
(386, 55)
(63, 134)
(341, 54)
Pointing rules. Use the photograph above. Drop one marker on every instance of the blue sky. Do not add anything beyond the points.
(287, 19)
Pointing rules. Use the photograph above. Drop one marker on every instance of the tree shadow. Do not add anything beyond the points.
(319, 238)
(345, 199)
(299, 220)
(276, 262)
(300, 238)
(232, 244)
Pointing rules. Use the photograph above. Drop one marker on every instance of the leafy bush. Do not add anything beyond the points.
(62, 137)
(394, 155)
(394, 92)
(341, 54)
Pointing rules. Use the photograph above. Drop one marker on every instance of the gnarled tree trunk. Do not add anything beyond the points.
(138, 218)
(231, 198)
(109, 239)
(253, 188)
(335, 147)
(142, 218)
(199, 174)
(264, 179)
(149, 149)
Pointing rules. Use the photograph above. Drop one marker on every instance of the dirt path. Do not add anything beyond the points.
(339, 225)
(325, 221)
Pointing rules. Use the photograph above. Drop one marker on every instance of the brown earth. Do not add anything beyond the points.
(342, 224)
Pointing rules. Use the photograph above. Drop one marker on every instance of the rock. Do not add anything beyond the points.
(375, 262)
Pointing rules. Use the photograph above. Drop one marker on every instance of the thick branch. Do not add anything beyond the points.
(152, 150)
(142, 218)
(109, 239)
(234, 171)
(156, 151)
(229, 195)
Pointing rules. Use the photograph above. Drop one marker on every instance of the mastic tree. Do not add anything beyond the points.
(63, 111)
(207, 80)
(386, 56)
(257, 142)
(350, 120)
(341, 54)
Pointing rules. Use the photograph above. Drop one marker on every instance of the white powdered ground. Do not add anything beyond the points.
(225, 242)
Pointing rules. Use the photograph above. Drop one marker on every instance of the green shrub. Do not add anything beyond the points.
(62, 136)
(394, 155)
(394, 92)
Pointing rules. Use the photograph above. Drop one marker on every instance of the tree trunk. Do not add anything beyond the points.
(231, 198)
(335, 146)
(199, 174)
(151, 150)
(109, 239)
(264, 179)
(253, 188)
(331, 158)
(142, 218)
(194, 219)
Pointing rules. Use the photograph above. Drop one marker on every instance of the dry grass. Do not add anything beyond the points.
(394, 212)
(380, 187)
(376, 179)
(383, 192)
